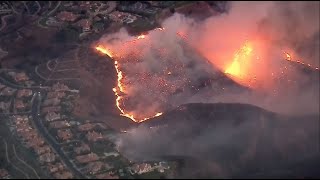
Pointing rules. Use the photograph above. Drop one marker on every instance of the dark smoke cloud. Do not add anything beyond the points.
(234, 142)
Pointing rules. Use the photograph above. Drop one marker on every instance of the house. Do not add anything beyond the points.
(65, 134)
(86, 127)
(47, 158)
(94, 136)
(24, 93)
(52, 116)
(85, 24)
(2, 86)
(51, 102)
(84, 148)
(59, 124)
(67, 16)
(60, 87)
(94, 167)
(87, 158)
(18, 77)
(7, 91)
(20, 105)
(35, 142)
(55, 94)
(4, 174)
(48, 109)
(4, 107)
(141, 168)
(63, 175)
(43, 149)
(107, 176)
(52, 168)
(115, 154)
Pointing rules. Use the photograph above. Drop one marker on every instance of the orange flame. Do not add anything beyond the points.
(141, 37)
(239, 59)
(121, 87)
(103, 50)
(288, 56)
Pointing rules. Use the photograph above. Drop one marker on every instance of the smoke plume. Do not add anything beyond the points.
(161, 72)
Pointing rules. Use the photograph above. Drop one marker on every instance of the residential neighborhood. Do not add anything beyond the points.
(65, 147)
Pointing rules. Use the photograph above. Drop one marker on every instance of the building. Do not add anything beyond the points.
(7, 91)
(59, 124)
(2, 86)
(24, 93)
(141, 168)
(65, 134)
(5, 107)
(85, 24)
(60, 87)
(94, 167)
(59, 94)
(67, 16)
(51, 102)
(43, 149)
(18, 77)
(115, 154)
(53, 168)
(107, 176)
(35, 142)
(4, 174)
(94, 136)
(19, 105)
(86, 127)
(48, 109)
(52, 116)
(84, 148)
(47, 158)
(87, 158)
(63, 175)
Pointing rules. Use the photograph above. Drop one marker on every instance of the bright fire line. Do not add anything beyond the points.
(120, 87)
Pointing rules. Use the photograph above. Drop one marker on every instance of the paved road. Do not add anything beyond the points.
(54, 10)
(7, 83)
(4, 22)
(41, 129)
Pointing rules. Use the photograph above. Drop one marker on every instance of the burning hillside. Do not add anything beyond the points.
(166, 67)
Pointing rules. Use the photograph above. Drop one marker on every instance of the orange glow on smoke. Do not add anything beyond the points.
(244, 68)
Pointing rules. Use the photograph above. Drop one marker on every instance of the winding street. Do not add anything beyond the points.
(4, 22)
(41, 129)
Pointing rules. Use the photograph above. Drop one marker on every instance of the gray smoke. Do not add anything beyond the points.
(260, 141)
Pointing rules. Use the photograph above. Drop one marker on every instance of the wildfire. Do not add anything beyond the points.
(141, 37)
(120, 88)
(241, 58)
(104, 50)
(288, 56)
(240, 68)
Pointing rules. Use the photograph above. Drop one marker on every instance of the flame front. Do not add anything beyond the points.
(120, 88)
(241, 58)
(103, 50)
(243, 69)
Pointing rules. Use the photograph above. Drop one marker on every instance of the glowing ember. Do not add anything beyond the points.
(288, 57)
(103, 50)
(141, 37)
